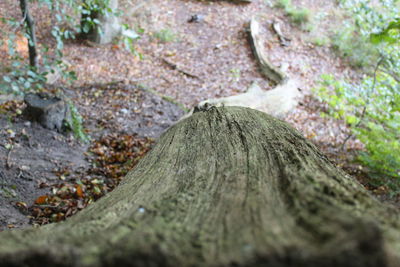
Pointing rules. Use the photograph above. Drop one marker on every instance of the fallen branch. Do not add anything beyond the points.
(174, 66)
(257, 43)
(285, 41)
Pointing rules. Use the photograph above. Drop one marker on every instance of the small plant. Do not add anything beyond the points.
(166, 36)
(299, 16)
(76, 123)
(320, 41)
(235, 74)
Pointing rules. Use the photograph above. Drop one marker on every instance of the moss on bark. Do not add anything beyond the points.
(225, 187)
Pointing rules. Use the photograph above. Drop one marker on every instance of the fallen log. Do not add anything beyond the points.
(257, 43)
(278, 101)
(225, 187)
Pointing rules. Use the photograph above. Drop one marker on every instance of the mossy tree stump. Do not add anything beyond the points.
(225, 187)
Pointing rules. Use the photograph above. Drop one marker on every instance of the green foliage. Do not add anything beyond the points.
(390, 34)
(366, 19)
(20, 78)
(166, 36)
(299, 16)
(372, 110)
(91, 10)
(320, 41)
(76, 123)
(356, 48)
(372, 107)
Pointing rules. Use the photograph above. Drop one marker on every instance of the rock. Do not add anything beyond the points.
(49, 111)
(196, 18)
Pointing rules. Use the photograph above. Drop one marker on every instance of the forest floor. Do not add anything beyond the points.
(46, 176)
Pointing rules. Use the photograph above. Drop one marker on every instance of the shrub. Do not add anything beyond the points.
(372, 110)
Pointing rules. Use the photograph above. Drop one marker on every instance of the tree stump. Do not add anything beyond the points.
(225, 187)
(51, 112)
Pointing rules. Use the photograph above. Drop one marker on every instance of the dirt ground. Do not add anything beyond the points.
(216, 54)
(32, 157)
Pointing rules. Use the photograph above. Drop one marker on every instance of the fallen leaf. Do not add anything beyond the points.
(41, 200)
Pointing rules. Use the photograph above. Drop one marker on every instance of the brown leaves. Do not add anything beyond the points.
(41, 200)
(114, 156)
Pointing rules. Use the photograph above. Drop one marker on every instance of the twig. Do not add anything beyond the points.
(8, 161)
(174, 66)
(19, 24)
(392, 74)
(364, 110)
(285, 41)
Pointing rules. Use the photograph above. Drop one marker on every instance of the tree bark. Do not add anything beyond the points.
(225, 187)
(31, 31)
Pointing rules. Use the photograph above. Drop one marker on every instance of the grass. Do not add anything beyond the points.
(166, 36)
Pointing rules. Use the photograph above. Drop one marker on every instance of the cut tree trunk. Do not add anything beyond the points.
(50, 111)
(225, 187)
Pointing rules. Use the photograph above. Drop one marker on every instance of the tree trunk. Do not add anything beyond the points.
(225, 187)
(31, 32)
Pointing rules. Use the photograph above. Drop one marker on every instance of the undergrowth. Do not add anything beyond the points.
(298, 16)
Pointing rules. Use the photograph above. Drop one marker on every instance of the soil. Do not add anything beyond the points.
(181, 60)
(31, 157)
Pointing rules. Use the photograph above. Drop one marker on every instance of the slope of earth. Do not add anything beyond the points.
(36, 163)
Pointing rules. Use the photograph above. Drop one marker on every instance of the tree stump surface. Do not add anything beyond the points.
(225, 187)
(51, 112)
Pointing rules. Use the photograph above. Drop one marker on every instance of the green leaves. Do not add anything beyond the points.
(390, 34)
(373, 114)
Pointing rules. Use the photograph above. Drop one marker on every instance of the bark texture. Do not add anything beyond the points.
(31, 32)
(225, 187)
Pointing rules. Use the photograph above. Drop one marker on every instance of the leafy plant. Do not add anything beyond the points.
(76, 123)
(371, 108)
(365, 18)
